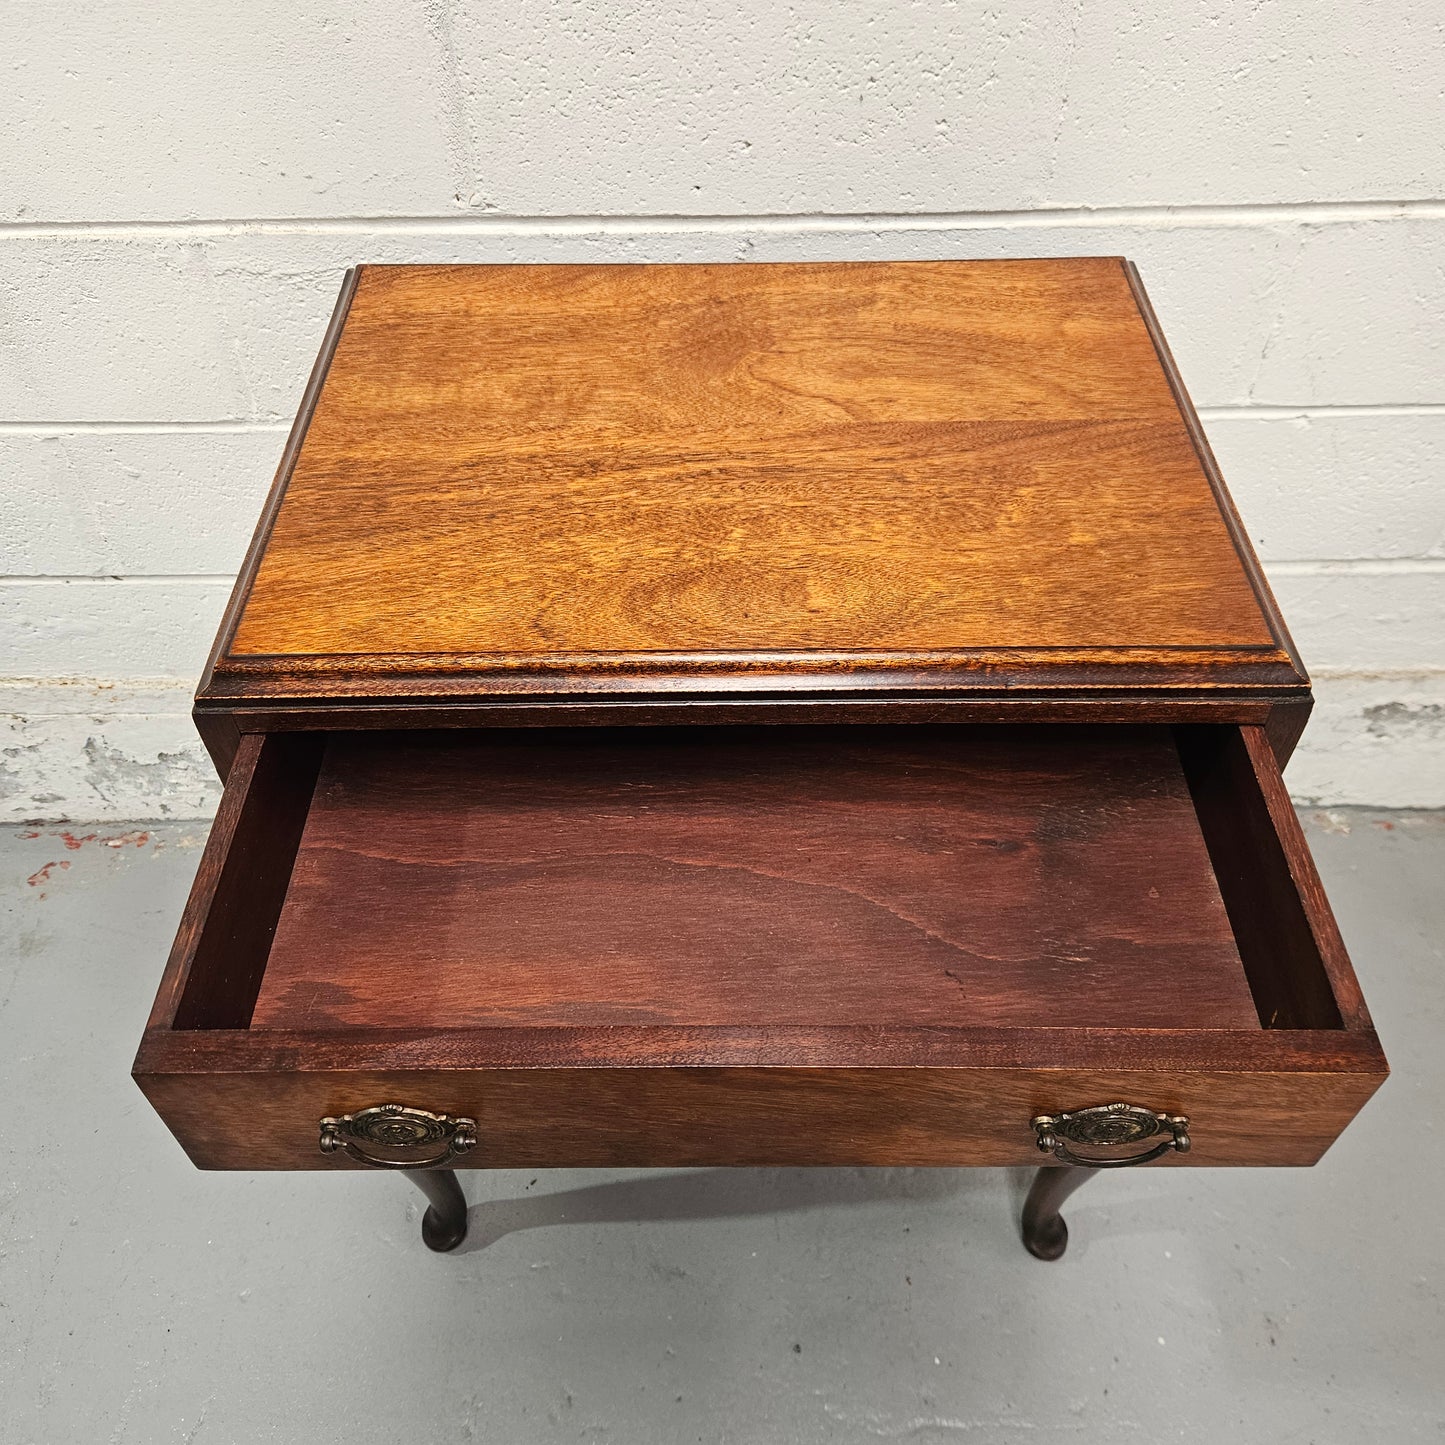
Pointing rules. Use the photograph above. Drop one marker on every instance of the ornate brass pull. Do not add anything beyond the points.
(405, 1138)
(1106, 1126)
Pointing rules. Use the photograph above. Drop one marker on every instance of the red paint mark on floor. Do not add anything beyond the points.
(116, 840)
(42, 875)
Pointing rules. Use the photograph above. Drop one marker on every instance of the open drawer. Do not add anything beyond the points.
(771, 945)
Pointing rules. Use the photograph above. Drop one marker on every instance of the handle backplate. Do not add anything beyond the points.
(1109, 1127)
(395, 1136)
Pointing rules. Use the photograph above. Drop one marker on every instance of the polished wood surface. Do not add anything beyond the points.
(239, 1103)
(872, 538)
(778, 876)
(598, 479)
(241, 884)
(1291, 947)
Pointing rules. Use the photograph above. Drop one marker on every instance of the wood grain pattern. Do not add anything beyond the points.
(1291, 950)
(674, 1117)
(866, 538)
(743, 876)
(220, 952)
(858, 1046)
(1305, 880)
(937, 474)
(242, 807)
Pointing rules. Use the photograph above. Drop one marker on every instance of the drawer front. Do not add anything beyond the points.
(656, 1117)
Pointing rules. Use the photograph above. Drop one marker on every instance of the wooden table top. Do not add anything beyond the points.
(941, 474)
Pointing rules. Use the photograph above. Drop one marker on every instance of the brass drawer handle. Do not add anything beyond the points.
(1108, 1126)
(410, 1138)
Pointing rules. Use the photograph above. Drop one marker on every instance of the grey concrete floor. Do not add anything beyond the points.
(142, 1301)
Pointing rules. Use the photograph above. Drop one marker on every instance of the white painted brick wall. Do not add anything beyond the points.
(181, 186)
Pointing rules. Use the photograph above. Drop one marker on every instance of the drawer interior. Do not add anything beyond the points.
(947, 877)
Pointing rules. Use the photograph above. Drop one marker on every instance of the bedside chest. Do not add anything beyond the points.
(753, 715)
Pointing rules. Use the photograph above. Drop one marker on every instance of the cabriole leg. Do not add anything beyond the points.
(1046, 1236)
(444, 1225)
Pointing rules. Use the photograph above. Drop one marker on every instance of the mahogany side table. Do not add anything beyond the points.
(753, 715)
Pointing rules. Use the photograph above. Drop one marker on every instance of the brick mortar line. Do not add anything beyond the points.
(1291, 567)
(1264, 411)
(1074, 217)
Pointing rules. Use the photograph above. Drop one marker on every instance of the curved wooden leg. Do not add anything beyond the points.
(1046, 1236)
(444, 1225)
